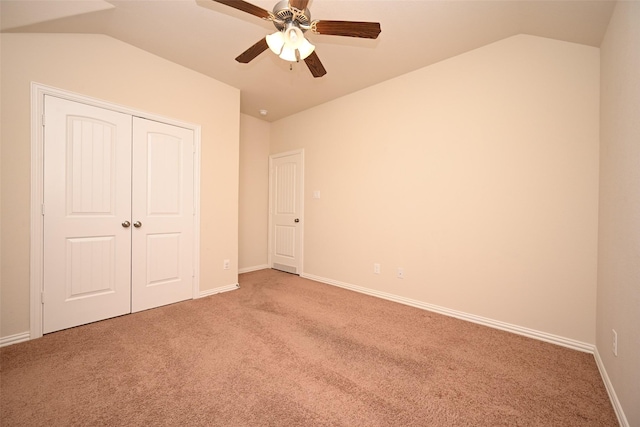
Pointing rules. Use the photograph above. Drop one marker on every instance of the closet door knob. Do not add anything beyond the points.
(137, 224)
(126, 224)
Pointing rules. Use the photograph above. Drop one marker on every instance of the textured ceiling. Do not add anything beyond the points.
(206, 37)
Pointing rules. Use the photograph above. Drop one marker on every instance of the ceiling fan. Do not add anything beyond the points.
(292, 19)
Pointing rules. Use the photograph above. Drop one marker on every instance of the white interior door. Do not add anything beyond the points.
(285, 205)
(163, 214)
(87, 198)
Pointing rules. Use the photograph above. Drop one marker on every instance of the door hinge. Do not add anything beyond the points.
(43, 120)
(42, 209)
(42, 297)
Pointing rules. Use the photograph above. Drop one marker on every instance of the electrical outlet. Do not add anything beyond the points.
(376, 268)
(400, 274)
(614, 346)
(226, 264)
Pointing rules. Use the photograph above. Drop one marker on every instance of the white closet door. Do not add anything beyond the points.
(87, 198)
(163, 214)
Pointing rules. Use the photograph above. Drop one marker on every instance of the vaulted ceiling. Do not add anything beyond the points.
(206, 36)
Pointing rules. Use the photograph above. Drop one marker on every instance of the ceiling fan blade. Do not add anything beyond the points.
(246, 7)
(367, 30)
(299, 4)
(315, 66)
(255, 50)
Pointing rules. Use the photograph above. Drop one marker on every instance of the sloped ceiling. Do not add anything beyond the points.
(206, 36)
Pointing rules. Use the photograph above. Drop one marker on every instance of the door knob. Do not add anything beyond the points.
(137, 224)
(126, 224)
(296, 220)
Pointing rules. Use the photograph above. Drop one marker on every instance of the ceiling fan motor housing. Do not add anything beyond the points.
(285, 15)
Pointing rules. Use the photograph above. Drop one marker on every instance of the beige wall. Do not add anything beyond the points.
(254, 193)
(477, 175)
(619, 233)
(107, 69)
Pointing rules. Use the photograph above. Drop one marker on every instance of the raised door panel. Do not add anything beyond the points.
(91, 267)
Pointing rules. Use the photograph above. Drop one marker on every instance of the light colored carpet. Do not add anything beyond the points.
(286, 351)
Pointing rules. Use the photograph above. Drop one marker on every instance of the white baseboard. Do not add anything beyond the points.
(617, 407)
(15, 339)
(254, 268)
(531, 333)
(26, 336)
(218, 290)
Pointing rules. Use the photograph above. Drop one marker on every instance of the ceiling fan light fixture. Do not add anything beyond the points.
(293, 36)
(292, 39)
(306, 49)
(275, 42)
(295, 55)
(285, 44)
(288, 54)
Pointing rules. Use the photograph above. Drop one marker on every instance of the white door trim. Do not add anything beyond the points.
(36, 255)
(270, 222)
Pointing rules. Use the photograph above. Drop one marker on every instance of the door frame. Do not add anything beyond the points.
(36, 251)
(270, 222)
